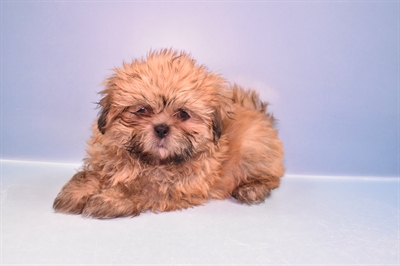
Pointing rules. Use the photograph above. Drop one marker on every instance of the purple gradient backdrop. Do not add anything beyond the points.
(329, 69)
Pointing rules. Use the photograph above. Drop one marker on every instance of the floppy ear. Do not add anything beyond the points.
(217, 126)
(107, 111)
(102, 120)
(105, 114)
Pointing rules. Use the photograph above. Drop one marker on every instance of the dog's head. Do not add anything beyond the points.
(164, 108)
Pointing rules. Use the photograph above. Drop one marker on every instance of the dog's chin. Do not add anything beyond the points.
(156, 151)
(163, 152)
(161, 155)
(160, 149)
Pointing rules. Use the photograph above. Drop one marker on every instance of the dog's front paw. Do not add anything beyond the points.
(74, 195)
(104, 206)
(71, 203)
(251, 193)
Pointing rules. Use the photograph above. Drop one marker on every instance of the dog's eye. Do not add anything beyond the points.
(182, 115)
(144, 111)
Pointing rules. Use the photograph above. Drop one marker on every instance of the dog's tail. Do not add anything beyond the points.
(248, 99)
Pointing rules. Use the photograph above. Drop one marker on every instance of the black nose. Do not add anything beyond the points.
(161, 130)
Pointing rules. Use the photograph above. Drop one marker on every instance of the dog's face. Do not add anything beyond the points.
(163, 109)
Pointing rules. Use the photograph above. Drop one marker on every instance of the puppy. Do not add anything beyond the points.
(172, 135)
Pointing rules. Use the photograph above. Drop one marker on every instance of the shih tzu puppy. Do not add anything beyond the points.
(172, 135)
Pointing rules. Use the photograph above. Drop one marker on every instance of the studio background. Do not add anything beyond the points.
(330, 71)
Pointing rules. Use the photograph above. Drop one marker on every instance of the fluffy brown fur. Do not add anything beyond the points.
(172, 135)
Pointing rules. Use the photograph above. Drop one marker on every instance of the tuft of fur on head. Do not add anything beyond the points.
(168, 91)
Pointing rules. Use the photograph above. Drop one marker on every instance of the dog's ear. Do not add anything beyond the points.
(105, 106)
(217, 126)
(102, 120)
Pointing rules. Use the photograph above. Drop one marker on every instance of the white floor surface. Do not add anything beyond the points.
(307, 221)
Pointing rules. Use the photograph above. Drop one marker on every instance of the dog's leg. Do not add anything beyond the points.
(124, 200)
(256, 156)
(74, 195)
(113, 202)
(254, 192)
(257, 173)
